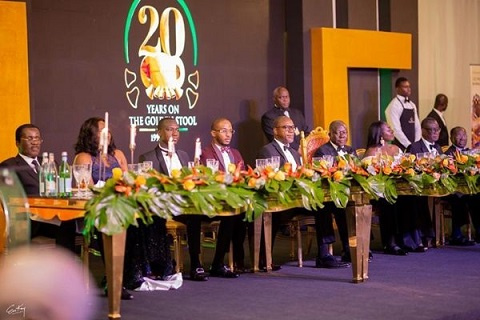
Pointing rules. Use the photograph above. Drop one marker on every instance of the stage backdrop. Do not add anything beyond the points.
(143, 60)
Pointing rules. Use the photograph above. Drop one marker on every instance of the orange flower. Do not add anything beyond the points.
(342, 163)
(308, 172)
(252, 182)
(123, 189)
(188, 185)
(338, 175)
(231, 167)
(387, 170)
(410, 172)
(287, 166)
(220, 178)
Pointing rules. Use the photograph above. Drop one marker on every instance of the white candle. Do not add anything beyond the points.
(105, 140)
(102, 140)
(198, 149)
(133, 133)
(106, 121)
(171, 147)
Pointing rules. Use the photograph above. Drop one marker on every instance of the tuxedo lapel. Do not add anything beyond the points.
(218, 157)
(161, 161)
(28, 170)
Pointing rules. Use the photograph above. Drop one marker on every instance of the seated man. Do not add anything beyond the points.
(284, 132)
(337, 146)
(26, 165)
(460, 214)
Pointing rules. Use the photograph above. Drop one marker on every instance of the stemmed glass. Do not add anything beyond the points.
(260, 164)
(82, 174)
(212, 164)
(276, 163)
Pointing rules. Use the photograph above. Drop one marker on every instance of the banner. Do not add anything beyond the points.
(475, 94)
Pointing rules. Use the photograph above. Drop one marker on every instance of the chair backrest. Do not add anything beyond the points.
(360, 152)
(14, 212)
(310, 144)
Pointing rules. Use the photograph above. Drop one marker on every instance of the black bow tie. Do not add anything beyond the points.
(407, 100)
(164, 150)
(225, 149)
(341, 149)
(286, 147)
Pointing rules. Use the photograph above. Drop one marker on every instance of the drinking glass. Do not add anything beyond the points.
(276, 162)
(82, 174)
(260, 164)
(147, 166)
(212, 164)
(329, 159)
(135, 167)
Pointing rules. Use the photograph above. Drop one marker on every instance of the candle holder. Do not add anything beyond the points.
(132, 151)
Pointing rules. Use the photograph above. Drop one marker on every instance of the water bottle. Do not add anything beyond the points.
(41, 174)
(51, 177)
(64, 178)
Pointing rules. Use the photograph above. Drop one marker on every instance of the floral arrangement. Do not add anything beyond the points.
(129, 197)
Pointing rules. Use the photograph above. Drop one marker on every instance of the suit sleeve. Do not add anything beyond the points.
(267, 126)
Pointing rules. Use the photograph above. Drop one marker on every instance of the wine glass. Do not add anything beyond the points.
(276, 163)
(147, 166)
(260, 164)
(212, 164)
(82, 174)
(135, 167)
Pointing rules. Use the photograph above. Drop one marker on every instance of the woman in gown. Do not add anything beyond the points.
(147, 249)
(378, 142)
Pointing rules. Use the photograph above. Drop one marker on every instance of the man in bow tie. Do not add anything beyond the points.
(337, 146)
(458, 202)
(283, 130)
(232, 229)
(416, 223)
(402, 115)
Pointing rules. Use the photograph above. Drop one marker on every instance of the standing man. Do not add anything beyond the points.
(402, 115)
(231, 228)
(337, 146)
(26, 164)
(281, 100)
(284, 133)
(440, 106)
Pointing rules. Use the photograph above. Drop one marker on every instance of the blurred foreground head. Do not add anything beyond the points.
(44, 284)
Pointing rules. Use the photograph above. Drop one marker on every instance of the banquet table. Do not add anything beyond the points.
(359, 216)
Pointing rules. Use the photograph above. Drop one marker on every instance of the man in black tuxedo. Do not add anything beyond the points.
(165, 162)
(26, 164)
(281, 100)
(440, 106)
(284, 133)
(337, 146)
(416, 223)
(458, 202)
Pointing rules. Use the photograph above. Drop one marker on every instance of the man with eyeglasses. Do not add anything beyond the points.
(337, 146)
(415, 222)
(26, 164)
(437, 113)
(281, 100)
(232, 229)
(402, 116)
(284, 132)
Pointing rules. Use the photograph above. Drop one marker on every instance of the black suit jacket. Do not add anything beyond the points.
(298, 120)
(329, 150)
(28, 177)
(159, 162)
(451, 150)
(274, 149)
(420, 147)
(443, 138)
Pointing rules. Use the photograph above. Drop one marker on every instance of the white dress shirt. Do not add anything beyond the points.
(393, 113)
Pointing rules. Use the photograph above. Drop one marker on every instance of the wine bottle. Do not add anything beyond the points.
(64, 177)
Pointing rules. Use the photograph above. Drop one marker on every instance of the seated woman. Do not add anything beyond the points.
(147, 250)
(378, 142)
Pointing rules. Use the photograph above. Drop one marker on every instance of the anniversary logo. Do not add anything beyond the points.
(161, 81)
